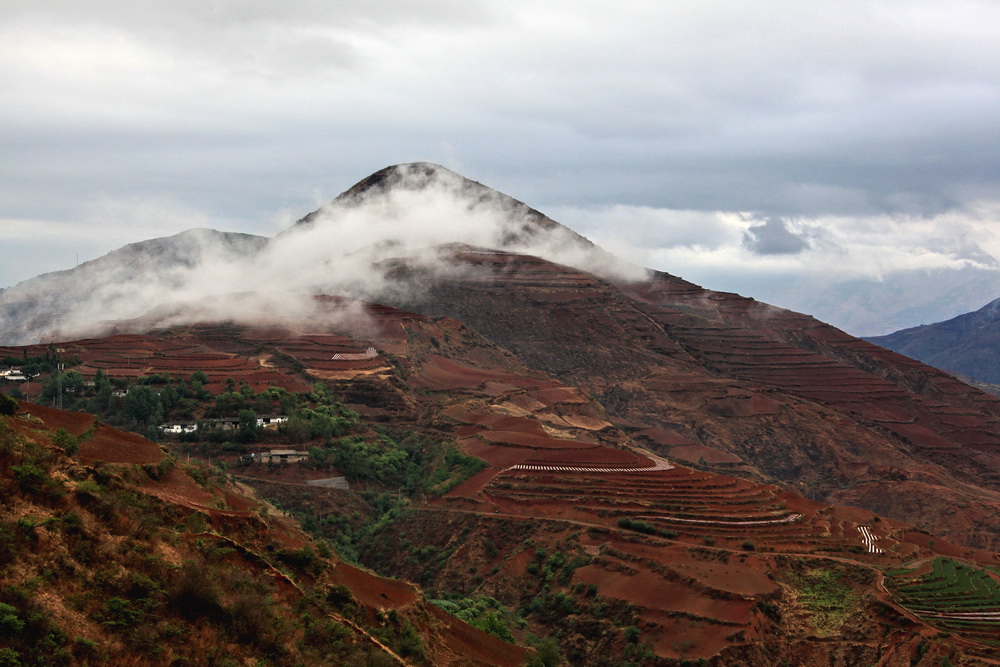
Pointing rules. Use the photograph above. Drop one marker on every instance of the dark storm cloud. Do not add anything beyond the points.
(773, 238)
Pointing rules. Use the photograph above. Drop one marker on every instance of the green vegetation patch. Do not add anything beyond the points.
(483, 612)
(827, 597)
(950, 595)
(645, 527)
(455, 468)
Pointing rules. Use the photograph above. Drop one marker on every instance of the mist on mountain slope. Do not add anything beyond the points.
(203, 274)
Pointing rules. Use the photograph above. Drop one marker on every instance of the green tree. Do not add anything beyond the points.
(247, 431)
(102, 389)
(8, 405)
(65, 441)
(169, 398)
(10, 625)
(72, 382)
(142, 406)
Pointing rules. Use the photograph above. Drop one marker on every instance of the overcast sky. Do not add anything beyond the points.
(726, 142)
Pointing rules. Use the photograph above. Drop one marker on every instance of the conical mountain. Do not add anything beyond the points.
(409, 207)
(401, 210)
(725, 376)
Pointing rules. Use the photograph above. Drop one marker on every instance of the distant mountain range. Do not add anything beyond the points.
(968, 345)
(869, 307)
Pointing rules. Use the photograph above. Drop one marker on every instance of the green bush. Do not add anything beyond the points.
(9, 658)
(119, 613)
(10, 625)
(29, 476)
(65, 441)
(8, 405)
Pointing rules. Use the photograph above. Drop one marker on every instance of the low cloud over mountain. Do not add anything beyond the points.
(408, 210)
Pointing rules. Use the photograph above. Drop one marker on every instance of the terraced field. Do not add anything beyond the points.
(679, 503)
(290, 356)
(952, 595)
(721, 380)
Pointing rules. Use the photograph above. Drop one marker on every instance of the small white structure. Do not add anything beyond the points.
(14, 375)
(177, 428)
(271, 421)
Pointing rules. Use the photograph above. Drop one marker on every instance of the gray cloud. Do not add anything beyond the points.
(773, 237)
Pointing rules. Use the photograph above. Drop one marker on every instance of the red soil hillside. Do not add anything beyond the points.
(160, 562)
(703, 565)
(759, 391)
(589, 530)
(618, 471)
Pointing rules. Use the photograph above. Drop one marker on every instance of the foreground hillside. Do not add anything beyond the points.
(114, 552)
(513, 500)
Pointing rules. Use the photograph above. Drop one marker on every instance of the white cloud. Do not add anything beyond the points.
(710, 248)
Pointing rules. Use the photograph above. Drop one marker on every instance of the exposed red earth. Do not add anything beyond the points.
(696, 554)
(240, 523)
(722, 380)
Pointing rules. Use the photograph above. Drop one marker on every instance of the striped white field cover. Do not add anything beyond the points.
(869, 539)
(370, 353)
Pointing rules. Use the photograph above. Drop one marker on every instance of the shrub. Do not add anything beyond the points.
(88, 488)
(252, 621)
(66, 441)
(119, 613)
(29, 476)
(410, 644)
(748, 546)
(193, 593)
(8, 405)
(10, 625)
(9, 658)
(547, 651)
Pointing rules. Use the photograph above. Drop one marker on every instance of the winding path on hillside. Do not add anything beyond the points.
(719, 522)
(658, 464)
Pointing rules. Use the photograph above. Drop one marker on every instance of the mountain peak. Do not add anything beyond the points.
(408, 175)
(427, 177)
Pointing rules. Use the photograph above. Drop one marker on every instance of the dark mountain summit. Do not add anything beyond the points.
(420, 176)
(968, 344)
